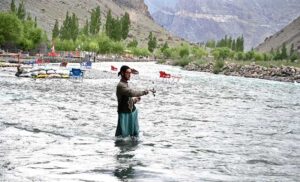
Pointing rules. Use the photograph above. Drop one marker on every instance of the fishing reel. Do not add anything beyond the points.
(153, 91)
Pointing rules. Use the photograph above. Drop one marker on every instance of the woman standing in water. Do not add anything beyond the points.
(127, 113)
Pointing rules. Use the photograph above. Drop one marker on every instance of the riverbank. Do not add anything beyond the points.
(276, 73)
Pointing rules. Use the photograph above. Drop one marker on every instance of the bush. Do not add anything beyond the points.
(104, 43)
(258, 56)
(117, 48)
(133, 43)
(218, 66)
(240, 56)
(199, 52)
(182, 62)
(140, 52)
(221, 53)
(184, 51)
(293, 57)
(167, 53)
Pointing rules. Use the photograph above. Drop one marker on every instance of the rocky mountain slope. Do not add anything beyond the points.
(202, 20)
(288, 35)
(142, 23)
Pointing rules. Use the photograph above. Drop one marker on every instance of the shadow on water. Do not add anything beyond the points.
(125, 158)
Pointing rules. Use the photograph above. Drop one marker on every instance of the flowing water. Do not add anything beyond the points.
(203, 127)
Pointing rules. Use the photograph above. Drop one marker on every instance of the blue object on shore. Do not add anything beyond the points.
(76, 73)
(86, 65)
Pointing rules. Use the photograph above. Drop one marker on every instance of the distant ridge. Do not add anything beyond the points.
(288, 35)
(203, 20)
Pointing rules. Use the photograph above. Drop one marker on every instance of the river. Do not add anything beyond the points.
(202, 127)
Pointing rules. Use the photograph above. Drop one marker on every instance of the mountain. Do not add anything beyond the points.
(288, 35)
(202, 20)
(142, 22)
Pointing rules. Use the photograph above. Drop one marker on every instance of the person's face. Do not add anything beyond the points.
(127, 74)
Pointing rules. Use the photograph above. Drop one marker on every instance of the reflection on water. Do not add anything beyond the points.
(203, 128)
(125, 169)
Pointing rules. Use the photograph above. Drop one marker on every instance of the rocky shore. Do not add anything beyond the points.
(282, 73)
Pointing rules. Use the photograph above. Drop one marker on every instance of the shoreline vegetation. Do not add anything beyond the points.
(284, 71)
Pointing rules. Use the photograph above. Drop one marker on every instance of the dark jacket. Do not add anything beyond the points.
(125, 97)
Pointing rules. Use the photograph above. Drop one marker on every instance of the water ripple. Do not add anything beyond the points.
(204, 127)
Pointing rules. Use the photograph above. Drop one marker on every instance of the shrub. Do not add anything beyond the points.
(182, 62)
(218, 66)
(184, 51)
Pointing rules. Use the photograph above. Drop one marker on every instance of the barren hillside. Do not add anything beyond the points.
(288, 35)
(47, 11)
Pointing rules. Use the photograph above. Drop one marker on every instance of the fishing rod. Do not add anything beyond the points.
(153, 91)
(136, 72)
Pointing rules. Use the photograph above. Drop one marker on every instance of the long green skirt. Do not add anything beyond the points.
(128, 125)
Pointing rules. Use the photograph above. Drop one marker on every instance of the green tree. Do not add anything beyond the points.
(55, 31)
(116, 33)
(277, 55)
(240, 44)
(32, 36)
(133, 43)
(74, 27)
(164, 47)
(152, 43)
(11, 28)
(292, 50)
(64, 30)
(95, 22)
(85, 29)
(13, 7)
(21, 12)
(35, 22)
(125, 20)
(109, 24)
(70, 28)
(233, 45)
(116, 28)
(284, 52)
(29, 17)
